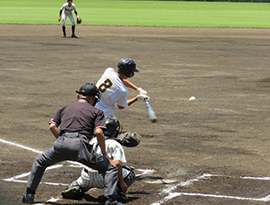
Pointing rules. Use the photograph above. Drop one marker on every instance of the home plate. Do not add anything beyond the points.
(159, 181)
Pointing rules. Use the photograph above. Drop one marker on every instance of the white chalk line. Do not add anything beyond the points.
(257, 178)
(144, 172)
(28, 173)
(176, 194)
(50, 200)
(48, 183)
(21, 146)
(73, 164)
(15, 178)
(172, 195)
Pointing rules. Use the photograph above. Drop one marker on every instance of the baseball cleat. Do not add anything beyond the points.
(122, 197)
(112, 203)
(73, 36)
(28, 198)
(64, 36)
(108, 202)
(74, 191)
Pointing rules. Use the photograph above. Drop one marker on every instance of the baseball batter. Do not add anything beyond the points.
(113, 86)
(92, 179)
(67, 9)
(79, 122)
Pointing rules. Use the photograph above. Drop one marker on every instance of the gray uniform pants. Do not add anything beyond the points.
(75, 147)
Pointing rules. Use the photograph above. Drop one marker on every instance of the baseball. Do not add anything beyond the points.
(192, 99)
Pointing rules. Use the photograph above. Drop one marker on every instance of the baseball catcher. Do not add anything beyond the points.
(92, 179)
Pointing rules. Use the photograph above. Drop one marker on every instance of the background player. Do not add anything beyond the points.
(113, 86)
(67, 9)
(92, 179)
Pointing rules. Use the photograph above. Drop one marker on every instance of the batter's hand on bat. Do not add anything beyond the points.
(143, 97)
(142, 91)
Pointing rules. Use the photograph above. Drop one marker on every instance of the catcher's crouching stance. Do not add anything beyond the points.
(92, 179)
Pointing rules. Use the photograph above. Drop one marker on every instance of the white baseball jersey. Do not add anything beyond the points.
(68, 9)
(68, 12)
(113, 92)
(92, 179)
(113, 149)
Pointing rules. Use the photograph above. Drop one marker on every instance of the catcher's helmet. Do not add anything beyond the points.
(127, 67)
(113, 127)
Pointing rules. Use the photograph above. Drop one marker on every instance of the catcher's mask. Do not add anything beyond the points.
(127, 67)
(90, 89)
(113, 127)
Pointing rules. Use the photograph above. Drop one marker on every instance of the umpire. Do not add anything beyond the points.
(79, 121)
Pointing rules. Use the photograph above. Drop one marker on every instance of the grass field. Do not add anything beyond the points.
(141, 13)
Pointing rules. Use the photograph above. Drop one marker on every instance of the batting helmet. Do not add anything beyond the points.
(113, 127)
(127, 67)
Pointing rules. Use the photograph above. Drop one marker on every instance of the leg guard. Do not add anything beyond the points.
(130, 177)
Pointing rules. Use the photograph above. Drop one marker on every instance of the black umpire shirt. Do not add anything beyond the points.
(79, 117)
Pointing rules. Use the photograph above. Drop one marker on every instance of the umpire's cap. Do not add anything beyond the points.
(127, 67)
(89, 89)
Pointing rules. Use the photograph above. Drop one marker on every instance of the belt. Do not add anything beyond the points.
(74, 135)
(70, 134)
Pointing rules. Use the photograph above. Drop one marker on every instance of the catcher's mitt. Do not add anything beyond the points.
(129, 139)
(79, 20)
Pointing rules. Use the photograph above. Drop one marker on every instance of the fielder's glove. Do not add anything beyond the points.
(79, 20)
(142, 91)
(143, 97)
(129, 139)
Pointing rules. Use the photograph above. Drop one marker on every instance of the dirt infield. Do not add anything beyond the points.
(223, 133)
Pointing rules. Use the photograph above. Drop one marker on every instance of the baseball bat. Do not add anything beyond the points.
(151, 114)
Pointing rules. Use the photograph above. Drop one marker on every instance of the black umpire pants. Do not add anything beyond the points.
(74, 147)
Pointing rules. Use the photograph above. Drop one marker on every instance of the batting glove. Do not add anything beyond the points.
(142, 92)
(143, 97)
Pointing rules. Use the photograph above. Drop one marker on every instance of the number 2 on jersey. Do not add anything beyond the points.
(104, 86)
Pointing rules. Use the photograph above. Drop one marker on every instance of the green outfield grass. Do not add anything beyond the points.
(140, 13)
